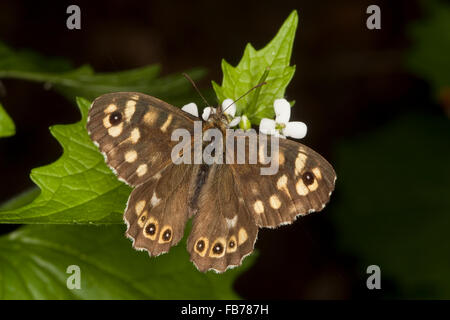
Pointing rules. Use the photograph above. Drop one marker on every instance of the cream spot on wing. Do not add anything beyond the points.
(300, 162)
(302, 190)
(282, 184)
(135, 135)
(167, 123)
(242, 236)
(135, 97)
(317, 173)
(150, 117)
(314, 186)
(106, 122)
(262, 154)
(130, 108)
(231, 223)
(116, 130)
(111, 108)
(155, 200)
(139, 207)
(281, 158)
(275, 202)
(142, 219)
(131, 156)
(258, 206)
(141, 170)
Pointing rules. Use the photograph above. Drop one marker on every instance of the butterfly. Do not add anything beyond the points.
(228, 203)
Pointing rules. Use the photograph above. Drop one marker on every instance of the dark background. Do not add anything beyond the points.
(349, 81)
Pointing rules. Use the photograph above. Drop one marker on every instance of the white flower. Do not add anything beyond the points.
(281, 127)
(191, 108)
(207, 112)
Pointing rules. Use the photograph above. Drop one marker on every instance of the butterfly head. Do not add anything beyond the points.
(218, 119)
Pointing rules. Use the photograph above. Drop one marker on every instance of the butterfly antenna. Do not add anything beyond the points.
(195, 87)
(257, 86)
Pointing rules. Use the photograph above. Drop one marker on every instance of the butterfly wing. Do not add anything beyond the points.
(133, 131)
(302, 184)
(157, 210)
(223, 230)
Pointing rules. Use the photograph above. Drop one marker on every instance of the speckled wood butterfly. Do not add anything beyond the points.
(228, 202)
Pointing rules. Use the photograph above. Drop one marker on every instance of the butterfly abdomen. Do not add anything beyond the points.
(200, 179)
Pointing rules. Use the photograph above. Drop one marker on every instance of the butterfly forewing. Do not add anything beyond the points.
(133, 131)
(302, 184)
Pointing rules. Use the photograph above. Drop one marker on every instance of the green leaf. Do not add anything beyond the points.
(29, 61)
(7, 127)
(34, 260)
(84, 82)
(78, 187)
(274, 58)
(21, 199)
(392, 207)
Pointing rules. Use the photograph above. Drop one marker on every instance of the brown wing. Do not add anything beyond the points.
(303, 184)
(133, 131)
(223, 230)
(157, 210)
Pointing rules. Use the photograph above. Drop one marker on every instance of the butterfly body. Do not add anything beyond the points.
(200, 179)
(228, 202)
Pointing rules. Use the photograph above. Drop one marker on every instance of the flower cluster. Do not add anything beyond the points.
(280, 127)
(228, 107)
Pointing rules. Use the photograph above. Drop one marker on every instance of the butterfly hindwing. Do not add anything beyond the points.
(133, 131)
(157, 213)
(302, 184)
(223, 230)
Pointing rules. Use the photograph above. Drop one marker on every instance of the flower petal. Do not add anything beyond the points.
(207, 112)
(282, 110)
(267, 126)
(191, 108)
(295, 129)
(229, 107)
(234, 122)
